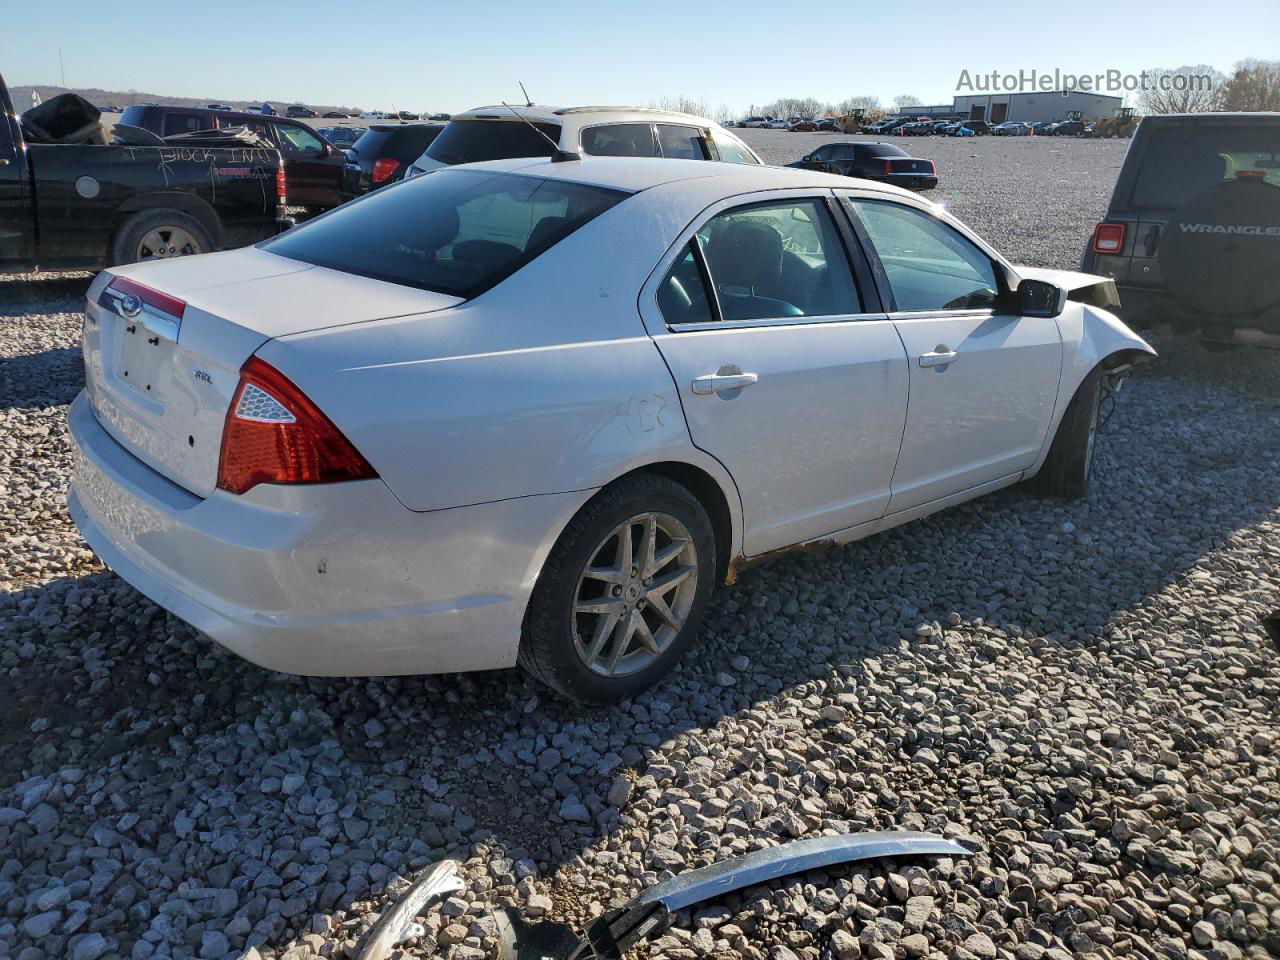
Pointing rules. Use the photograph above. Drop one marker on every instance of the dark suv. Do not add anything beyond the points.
(313, 167)
(383, 154)
(1192, 233)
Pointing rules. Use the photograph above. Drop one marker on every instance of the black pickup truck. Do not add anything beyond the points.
(86, 206)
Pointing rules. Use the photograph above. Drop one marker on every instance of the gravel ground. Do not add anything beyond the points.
(1078, 692)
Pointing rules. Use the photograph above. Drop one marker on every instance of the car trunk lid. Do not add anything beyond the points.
(164, 344)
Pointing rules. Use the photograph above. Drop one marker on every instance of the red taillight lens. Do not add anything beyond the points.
(888, 167)
(152, 298)
(274, 434)
(282, 193)
(933, 167)
(383, 168)
(1108, 238)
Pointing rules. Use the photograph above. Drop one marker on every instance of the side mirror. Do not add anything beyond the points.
(1036, 298)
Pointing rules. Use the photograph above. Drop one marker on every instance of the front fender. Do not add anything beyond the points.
(1090, 336)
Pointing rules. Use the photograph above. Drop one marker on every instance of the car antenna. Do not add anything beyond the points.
(559, 156)
(528, 101)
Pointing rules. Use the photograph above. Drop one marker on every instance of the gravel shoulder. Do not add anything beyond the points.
(1080, 693)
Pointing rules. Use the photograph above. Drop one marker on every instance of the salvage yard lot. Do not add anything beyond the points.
(1079, 692)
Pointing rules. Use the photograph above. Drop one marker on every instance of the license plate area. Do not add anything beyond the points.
(143, 357)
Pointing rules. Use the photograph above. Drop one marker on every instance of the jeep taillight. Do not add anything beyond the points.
(1108, 238)
(275, 434)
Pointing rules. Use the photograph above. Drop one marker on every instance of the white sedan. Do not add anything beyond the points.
(533, 411)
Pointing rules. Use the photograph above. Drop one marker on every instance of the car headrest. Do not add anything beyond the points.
(544, 230)
(745, 253)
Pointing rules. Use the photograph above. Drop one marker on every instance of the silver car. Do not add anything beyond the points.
(533, 411)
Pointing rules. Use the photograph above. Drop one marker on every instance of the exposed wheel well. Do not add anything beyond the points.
(189, 204)
(704, 487)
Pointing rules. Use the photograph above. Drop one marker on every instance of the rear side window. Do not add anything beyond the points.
(619, 140)
(186, 123)
(458, 232)
(682, 298)
(471, 141)
(680, 142)
(1180, 162)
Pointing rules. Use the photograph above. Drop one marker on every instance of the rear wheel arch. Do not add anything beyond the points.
(187, 203)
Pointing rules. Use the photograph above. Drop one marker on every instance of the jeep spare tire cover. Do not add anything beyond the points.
(1220, 253)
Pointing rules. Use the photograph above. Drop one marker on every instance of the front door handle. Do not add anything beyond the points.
(710, 383)
(940, 356)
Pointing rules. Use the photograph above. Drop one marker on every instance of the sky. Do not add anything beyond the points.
(422, 55)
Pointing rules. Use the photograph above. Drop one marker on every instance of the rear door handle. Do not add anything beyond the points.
(710, 383)
(938, 358)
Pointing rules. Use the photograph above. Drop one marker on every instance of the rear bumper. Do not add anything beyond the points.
(325, 580)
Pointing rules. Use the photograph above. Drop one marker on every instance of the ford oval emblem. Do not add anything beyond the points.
(131, 305)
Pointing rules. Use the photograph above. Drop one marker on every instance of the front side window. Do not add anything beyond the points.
(930, 266)
(457, 232)
(298, 139)
(680, 142)
(619, 140)
(731, 149)
(778, 259)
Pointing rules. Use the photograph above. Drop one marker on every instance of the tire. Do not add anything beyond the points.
(558, 634)
(138, 238)
(1065, 472)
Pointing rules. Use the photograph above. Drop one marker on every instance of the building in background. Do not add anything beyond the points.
(1035, 106)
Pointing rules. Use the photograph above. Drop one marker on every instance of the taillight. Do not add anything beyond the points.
(274, 434)
(933, 167)
(282, 194)
(888, 167)
(122, 287)
(1108, 237)
(383, 168)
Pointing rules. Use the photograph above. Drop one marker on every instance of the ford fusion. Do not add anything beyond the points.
(532, 411)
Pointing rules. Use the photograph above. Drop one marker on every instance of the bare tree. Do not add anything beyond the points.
(864, 102)
(1185, 89)
(1255, 85)
(682, 104)
(904, 100)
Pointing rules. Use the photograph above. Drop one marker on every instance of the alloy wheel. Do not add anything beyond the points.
(634, 594)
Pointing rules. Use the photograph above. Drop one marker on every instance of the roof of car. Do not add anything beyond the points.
(635, 174)
(551, 114)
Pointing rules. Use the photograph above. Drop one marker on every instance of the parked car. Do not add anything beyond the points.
(313, 167)
(883, 162)
(108, 108)
(1011, 128)
(299, 111)
(496, 133)
(382, 155)
(338, 498)
(828, 123)
(1066, 128)
(963, 130)
(1192, 232)
(1041, 127)
(87, 206)
(217, 106)
(802, 125)
(336, 115)
(441, 117)
(405, 115)
(777, 124)
(755, 121)
(980, 128)
(375, 115)
(342, 137)
(917, 128)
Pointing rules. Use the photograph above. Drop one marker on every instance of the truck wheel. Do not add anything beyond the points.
(158, 235)
(1065, 472)
(623, 592)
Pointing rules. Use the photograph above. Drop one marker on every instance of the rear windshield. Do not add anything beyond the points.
(403, 143)
(458, 232)
(470, 141)
(1180, 162)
